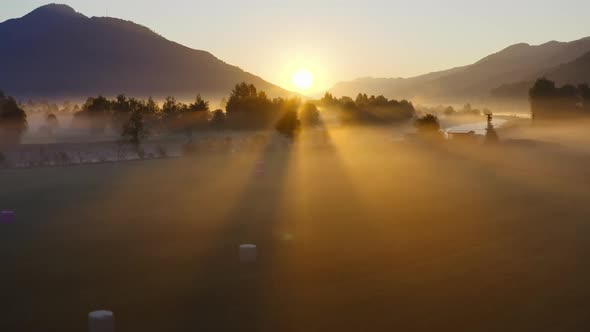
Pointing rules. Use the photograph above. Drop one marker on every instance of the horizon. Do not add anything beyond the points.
(301, 45)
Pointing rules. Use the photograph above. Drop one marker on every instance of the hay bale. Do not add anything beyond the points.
(101, 321)
(247, 253)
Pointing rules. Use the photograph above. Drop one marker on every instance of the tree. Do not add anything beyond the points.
(151, 114)
(121, 108)
(328, 100)
(195, 116)
(218, 119)
(171, 108)
(449, 111)
(97, 111)
(247, 108)
(151, 107)
(52, 123)
(13, 120)
(200, 105)
(428, 126)
(549, 102)
(172, 111)
(288, 124)
(135, 131)
(368, 110)
(309, 115)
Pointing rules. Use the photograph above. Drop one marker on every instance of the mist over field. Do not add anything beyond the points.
(348, 237)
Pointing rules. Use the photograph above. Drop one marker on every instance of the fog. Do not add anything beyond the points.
(356, 230)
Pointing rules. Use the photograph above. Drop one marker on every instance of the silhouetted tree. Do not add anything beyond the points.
(368, 110)
(218, 119)
(52, 123)
(121, 111)
(171, 109)
(13, 120)
(96, 112)
(449, 111)
(248, 108)
(135, 131)
(328, 100)
(428, 126)
(288, 124)
(195, 116)
(151, 114)
(309, 115)
(549, 102)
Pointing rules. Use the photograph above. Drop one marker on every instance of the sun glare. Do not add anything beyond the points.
(303, 79)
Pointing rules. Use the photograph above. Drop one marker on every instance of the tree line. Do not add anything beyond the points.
(368, 110)
(247, 108)
(549, 102)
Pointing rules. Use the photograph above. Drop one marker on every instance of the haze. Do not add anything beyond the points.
(343, 40)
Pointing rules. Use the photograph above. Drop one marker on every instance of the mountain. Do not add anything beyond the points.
(56, 52)
(513, 65)
(577, 71)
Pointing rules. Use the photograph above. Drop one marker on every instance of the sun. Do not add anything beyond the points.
(303, 79)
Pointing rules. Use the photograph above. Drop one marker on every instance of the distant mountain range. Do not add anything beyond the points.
(507, 74)
(55, 52)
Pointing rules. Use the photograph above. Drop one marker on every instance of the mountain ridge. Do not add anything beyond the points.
(476, 82)
(56, 52)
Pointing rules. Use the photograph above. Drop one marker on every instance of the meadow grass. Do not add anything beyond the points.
(396, 237)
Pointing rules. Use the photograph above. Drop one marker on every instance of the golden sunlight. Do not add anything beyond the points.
(303, 79)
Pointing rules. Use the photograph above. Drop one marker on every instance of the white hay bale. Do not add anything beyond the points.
(101, 321)
(247, 253)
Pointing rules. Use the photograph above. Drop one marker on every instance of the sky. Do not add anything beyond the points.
(343, 40)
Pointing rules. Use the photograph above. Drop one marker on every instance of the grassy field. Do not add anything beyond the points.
(392, 238)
